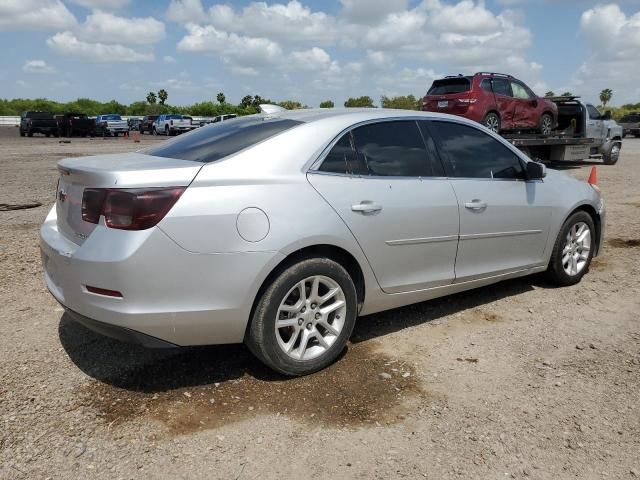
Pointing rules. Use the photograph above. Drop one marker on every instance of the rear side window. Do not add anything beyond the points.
(474, 154)
(216, 141)
(450, 85)
(393, 149)
(501, 87)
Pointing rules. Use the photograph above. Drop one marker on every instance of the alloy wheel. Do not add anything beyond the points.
(492, 122)
(575, 253)
(311, 317)
(545, 127)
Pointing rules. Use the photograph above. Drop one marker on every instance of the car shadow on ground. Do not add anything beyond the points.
(136, 368)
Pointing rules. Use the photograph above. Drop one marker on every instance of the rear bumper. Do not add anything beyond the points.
(123, 334)
(177, 297)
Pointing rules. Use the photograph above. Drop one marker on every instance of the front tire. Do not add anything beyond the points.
(611, 157)
(492, 122)
(546, 124)
(573, 250)
(304, 318)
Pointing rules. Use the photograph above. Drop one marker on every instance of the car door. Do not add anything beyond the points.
(504, 219)
(388, 186)
(595, 125)
(504, 100)
(525, 107)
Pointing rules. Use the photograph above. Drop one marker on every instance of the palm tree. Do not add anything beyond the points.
(221, 98)
(162, 95)
(151, 98)
(605, 96)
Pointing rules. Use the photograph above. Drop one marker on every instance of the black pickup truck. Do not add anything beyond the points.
(71, 124)
(38, 122)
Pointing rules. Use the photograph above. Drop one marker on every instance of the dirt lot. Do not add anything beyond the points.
(517, 380)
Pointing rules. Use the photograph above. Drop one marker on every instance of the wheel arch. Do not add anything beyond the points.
(333, 252)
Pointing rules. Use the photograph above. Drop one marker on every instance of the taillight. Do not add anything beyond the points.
(128, 209)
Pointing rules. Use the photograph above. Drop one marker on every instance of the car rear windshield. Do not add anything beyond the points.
(39, 115)
(218, 140)
(450, 85)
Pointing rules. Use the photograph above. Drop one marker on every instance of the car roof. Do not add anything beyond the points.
(356, 115)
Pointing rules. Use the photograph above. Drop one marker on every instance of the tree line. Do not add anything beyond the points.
(155, 103)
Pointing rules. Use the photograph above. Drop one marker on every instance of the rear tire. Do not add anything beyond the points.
(22, 134)
(492, 122)
(611, 157)
(573, 250)
(29, 133)
(314, 304)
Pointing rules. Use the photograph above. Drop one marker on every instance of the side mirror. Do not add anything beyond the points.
(607, 115)
(536, 171)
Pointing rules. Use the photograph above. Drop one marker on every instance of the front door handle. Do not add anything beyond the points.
(366, 206)
(475, 205)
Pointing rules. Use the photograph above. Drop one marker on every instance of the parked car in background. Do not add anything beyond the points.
(190, 119)
(171, 124)
(200, 240)
(497, 101)
(38, 122)
(111, 124)
(217, 119)
(71, 124)
(631, 124)
(134, 123)
(146, 125)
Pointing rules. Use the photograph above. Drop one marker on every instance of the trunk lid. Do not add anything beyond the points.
(129, 170)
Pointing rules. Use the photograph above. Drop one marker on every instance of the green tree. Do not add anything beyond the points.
(364, 101)
(605, 96)
(550, 93)
(246, 101)
(327, 104)
(151, 98)
(566, 94)
(291, 105)
(162, 95)
(221, 98)
(408, 102)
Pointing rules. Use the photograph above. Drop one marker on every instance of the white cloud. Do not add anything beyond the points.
(103, 27)
(34, 15)
(613, 39)
(66, 43)
(168, 59)
(37, 66)
(246, 71)
(101, 4)
(370, 11)
(233, 48)
(174, 84)
(185, 11)
(23, 84)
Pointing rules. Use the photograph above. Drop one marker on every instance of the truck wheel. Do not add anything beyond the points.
(166, 131)
(546, 124)
(611, 157)
(29, 133)
(304, 317)
(492, 122)
(22, 134)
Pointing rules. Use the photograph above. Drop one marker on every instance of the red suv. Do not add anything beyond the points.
(498, 101)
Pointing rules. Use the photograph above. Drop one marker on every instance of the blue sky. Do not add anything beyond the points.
(311, 50)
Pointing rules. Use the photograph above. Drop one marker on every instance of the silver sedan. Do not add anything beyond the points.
(279, 229)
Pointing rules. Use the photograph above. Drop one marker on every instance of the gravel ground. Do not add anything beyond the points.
(516, 380)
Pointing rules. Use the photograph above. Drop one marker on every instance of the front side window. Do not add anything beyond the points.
(593, 112)
(393, 149)
(216, 141)
(519, 91)
(475, 154)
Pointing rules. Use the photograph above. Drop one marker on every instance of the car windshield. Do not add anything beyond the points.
(450, 85)
(219, 140)
(111, 117)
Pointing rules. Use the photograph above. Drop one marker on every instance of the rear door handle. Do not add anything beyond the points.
(366, 206)
(475, 204)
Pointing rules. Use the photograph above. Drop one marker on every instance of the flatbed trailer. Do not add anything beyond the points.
(582, 133)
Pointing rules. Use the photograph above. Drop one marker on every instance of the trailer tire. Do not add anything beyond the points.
(611, 157)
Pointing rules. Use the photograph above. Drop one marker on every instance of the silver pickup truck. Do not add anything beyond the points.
(631, 124)
(582, 132)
